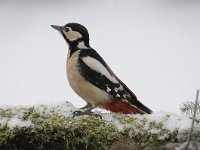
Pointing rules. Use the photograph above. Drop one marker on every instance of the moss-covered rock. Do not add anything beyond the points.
(53, 127)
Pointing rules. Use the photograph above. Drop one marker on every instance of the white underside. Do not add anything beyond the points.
(87, 91)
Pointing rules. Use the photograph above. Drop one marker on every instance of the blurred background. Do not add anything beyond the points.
(153, 46)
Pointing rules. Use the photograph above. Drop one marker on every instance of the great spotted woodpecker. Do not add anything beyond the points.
(91, 78)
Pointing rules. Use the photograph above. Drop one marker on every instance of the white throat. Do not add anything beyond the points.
(82, 45)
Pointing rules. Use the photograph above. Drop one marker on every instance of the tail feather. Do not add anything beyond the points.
(132, 99)
(133, 106)
(141, 106)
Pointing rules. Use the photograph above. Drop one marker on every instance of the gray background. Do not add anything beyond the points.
(153, 46)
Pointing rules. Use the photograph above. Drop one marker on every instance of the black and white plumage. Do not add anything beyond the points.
(92, 79)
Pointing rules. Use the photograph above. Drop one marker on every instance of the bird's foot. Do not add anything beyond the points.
(86, 112)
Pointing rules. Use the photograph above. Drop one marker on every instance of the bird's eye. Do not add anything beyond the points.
(66, 29)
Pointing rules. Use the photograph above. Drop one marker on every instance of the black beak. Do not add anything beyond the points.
(59, 28)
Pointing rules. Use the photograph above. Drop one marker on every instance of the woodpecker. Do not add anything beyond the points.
(92, 79)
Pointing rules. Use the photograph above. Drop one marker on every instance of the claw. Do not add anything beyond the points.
(96, 115)
(77, 113)
(87, 112)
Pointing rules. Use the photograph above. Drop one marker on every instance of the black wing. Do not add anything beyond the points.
(117, 89)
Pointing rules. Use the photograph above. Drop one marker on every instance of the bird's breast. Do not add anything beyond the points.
(73, 75)
(87, 91)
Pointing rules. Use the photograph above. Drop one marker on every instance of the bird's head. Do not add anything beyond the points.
(75, 34)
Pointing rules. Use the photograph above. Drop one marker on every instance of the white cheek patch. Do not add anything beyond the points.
(72, 35)
(97, 66)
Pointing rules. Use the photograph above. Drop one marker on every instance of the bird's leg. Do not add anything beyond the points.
(86, 111)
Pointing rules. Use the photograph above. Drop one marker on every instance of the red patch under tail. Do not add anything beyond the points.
(119, 106)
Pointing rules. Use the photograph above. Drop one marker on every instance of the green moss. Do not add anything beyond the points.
(147, 134)
(52, 130)
(6, 112)
(61, 133)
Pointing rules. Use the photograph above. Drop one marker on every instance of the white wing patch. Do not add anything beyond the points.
(120, 88)
(117, 95)
(108, 89)
(97, 66)
(124, 96)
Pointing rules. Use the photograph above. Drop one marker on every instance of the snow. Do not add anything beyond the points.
(171, 121)
(60, 108)
(15, 122)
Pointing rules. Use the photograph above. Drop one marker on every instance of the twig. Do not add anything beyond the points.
(196, 120)
(193, 119)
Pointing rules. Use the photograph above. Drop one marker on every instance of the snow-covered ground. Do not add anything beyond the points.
(13, 117)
